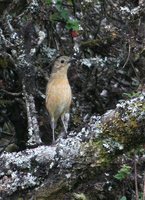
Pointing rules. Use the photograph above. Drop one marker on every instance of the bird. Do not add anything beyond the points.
(59, 94)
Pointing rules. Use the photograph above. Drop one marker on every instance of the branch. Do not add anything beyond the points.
(11, 93)
(33, 126)
(80, 155)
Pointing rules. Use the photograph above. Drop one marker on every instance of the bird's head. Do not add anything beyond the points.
(61, 64)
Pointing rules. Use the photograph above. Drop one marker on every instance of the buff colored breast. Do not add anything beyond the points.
(59, 97)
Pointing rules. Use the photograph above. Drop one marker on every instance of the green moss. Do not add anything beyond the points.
(121, 134)
(3, 62)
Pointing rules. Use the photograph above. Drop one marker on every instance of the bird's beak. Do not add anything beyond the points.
(72, 60)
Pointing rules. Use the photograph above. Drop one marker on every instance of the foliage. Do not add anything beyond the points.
(63, 14)
(123, 172)
(123, 198)
(131, 95)
(49, 2)
(141, 196)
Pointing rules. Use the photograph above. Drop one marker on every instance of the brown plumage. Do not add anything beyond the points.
(58, 94)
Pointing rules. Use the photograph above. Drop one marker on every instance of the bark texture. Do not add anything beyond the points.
(56, 172)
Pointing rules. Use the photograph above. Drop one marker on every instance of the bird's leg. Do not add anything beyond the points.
(65, 119)
(53, 126)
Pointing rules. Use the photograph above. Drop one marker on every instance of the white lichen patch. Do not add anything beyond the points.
(74, 147)
(67, 150)
(48, 52)
(42, 36)
(23, 159)
(68, 147)
(100, 62)
(30, 180)
(18, 159)
(92, 130)
(88, 1)
(135, 107)
(68, 175)
(111, 145)
(18, 170)
(135, 11)
(94, 126)
(124, 9)
(18, 179)
(97, 61)
(46, 154)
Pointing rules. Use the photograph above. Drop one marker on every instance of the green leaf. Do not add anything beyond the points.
(119, 176)
(59, 5)
(59, 2)
(72, 24)
(123, 198)
(64, 14)
(123, 172)
(49, 2)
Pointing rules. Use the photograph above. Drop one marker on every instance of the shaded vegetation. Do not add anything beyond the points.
(107, 38)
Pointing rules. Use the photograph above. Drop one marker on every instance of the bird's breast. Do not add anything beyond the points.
(58, 95)
(59, 88)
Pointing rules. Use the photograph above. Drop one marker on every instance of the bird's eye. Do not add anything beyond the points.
(62, 61)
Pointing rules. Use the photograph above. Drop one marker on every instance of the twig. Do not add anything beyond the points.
(128, 56)
(135, 71)
(40, 94)
(11, 93)
(6, 133)
(74, 7)
(135, 177)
